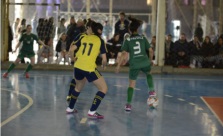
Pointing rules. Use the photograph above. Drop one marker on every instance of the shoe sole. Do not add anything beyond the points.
(74, 111)
(94, 117)
(127, 110)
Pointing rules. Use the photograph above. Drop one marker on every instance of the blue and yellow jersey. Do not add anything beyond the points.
(89, 48)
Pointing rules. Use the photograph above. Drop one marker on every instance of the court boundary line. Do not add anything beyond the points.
(30, 103)
(212, 110)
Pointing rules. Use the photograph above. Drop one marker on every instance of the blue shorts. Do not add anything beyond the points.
(90, 76)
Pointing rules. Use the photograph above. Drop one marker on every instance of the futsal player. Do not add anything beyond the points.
(85, 67)
(136, 45)
(27, 39)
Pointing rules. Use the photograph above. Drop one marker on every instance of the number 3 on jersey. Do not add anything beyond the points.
(137, 48)
(90, 48)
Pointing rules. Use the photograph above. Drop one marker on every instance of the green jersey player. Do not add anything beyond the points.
(27, 39)
(137, 45)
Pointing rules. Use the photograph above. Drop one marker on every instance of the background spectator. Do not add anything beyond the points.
(207, 51)
(199, 32)
(169, 50)
(62, 47)
(46, 52)
(121, 26)
(195, 54)
(181, 51)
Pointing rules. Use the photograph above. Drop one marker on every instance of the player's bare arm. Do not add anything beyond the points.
(17, 46)
(104, 60)
(71, 51)
(120, 62)
(41, 42)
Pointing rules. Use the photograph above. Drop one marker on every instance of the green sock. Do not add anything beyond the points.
(28, 68)
(130, 94)
(11, 67)
(150, 82)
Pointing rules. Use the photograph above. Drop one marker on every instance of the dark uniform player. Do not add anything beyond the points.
(136, 45)
(27, 39)
(85, 68)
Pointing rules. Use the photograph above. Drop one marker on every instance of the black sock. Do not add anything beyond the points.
(97, 100)
(74, 95)
(72, 86)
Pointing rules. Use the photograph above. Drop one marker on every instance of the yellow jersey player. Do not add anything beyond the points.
(90, 46)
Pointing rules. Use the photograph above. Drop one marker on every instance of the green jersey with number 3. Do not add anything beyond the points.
(136, 46)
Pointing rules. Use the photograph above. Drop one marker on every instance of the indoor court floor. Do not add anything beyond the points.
(189, 105)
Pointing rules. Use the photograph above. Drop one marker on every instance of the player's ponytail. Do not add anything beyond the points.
(135, 23)
(97, 28)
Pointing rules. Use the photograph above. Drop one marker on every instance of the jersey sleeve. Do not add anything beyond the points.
(103, 48)
(125, 46)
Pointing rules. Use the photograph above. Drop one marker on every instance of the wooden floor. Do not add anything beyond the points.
(216, 106)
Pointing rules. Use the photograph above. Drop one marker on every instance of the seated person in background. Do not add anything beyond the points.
(207, 51)
(47, 51)
(126, 57)
(62, 47)
(112, 48)
(195, 56)
(181, 51)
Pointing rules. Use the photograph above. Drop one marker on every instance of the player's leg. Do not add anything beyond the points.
(149, 79)
(101, 85)
(30, 66)
(80, 82)
(12, 66)
(132, 81)
(72, 87)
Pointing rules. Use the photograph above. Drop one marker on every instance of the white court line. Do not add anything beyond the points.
(192, 103)
(212, 111)
(168, 96)
(19, 112)
(180, 99)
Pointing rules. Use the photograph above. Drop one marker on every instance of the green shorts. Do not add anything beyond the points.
(133, 73)
(23, 54)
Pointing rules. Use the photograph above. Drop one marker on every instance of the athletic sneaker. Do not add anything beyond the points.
(5, 75)
(95, 115)
(70, 111)
(26, 75)
(152, 94)
(128, 107)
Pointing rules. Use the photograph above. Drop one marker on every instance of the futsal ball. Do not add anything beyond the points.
(152, 102)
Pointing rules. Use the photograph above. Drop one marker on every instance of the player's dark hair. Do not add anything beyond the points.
(135, 23)
(97, 28)
(89, 22)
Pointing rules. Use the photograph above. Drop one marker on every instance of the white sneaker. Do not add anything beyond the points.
(69, 110)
